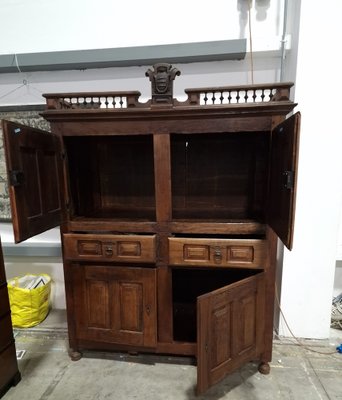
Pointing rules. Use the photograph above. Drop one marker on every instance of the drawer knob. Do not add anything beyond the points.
(108, 250)
(217, 255)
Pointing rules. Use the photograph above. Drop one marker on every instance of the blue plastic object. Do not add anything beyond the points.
(339, 348)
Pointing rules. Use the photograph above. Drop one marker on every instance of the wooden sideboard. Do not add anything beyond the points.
(170, 213)
(9, 373)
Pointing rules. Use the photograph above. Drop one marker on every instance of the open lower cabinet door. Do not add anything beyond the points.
(230, 329)
(283, 178)
(34, 167)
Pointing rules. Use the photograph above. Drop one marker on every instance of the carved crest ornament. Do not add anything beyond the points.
(162, 77)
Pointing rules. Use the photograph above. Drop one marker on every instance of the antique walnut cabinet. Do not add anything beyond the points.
(170, 213)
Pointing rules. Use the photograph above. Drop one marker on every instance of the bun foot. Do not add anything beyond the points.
(75, 355)
(264, 368)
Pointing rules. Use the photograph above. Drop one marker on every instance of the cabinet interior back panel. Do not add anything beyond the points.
(187, 285)
(219, 176)
(112, 176)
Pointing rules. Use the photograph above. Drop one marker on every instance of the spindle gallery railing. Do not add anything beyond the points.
(239, 94)
(91, 100)
(214, 96)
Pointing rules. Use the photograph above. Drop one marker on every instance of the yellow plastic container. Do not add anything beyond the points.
(29, 297)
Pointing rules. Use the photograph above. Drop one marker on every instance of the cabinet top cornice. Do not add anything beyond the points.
(270, 97)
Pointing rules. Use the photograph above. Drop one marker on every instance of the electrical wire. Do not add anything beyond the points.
(292, 334)
(250, 41)
(12, 91)
(17, 63)
(26, 83)
(18, 87)
(283, 43)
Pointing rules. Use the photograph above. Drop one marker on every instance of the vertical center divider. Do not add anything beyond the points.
(162, 171)
(162, 176)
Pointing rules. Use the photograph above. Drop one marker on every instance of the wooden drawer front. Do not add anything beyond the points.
(123, 248)
(2, 273)
(4, 303)
(8, 366)
(6, 331)
(249, 253)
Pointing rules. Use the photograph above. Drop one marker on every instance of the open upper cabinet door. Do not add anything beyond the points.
(230, 329)
(34, 168)
(283, 178)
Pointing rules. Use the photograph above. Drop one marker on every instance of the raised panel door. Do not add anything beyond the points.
(115, 304)
(230, 327)
(283, 178)
(34, 166)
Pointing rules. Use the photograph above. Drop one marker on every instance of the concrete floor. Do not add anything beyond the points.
(48, 373)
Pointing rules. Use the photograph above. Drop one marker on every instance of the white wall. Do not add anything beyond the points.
(13, 92)
(47, 25)
(308, 271)
(44, 25)
(338, 270)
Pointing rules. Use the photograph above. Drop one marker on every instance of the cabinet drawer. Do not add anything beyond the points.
(123, 248)
(2, 274)
(4, 303)
(6, 331)
(248, 253)
(8, 366)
